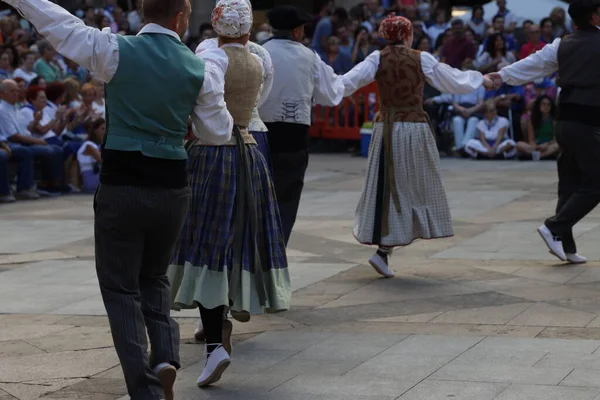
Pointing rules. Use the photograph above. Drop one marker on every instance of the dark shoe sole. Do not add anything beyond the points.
(167, 377)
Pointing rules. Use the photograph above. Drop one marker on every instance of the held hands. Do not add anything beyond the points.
(492, 81)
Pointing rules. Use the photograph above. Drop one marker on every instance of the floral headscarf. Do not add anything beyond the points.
(396, 29)
(232, 18)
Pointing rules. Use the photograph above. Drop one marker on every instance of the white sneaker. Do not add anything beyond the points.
(381, 266)
(216, 364)
(554, 244)
(574, 258)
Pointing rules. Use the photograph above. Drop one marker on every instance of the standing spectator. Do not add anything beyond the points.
(47, 66)
(6, 31)
(522, 36)
(346, 42)
(458, 49)
(51, 156)
(99, 105)
(540, 130)
(510, 19)
(492, 140)
(441, 42)
(418, 31)
(26, 71)
(22, 91)
(5, 66)
(24, 159)
(134, 18)
(495, 55)
(14, 60)
(440, 26)
(362, 45)
(325, 29)
(547, 30)
(424, 44)
(89, 157)
(498, 27)
(533, 44)
(477, 24)
(559, 22)
(340, 62)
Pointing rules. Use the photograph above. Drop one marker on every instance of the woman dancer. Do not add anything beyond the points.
(403, 198)
(231, 253)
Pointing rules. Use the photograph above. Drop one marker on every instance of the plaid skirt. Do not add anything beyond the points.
(262, 140)
(423, 211)
(202, 269)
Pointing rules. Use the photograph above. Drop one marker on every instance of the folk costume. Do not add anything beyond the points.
(403, 198)
(576, 59)
(144, 195)
(231, 252)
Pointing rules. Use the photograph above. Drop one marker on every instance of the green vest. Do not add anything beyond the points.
(151, 96)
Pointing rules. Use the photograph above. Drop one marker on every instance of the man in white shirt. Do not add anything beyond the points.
(576, 59)
(299, 77)
(143, 198)
(510, 19)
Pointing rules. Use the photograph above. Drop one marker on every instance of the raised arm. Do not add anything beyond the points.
(210, 119)
(447, 79)
(538, 65)
(329, 87)
(362, 74)
(97, 51)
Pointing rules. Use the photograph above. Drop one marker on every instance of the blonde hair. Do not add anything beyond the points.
(72, 88)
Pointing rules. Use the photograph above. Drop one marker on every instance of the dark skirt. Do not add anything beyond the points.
(202, 266)
(262, 140)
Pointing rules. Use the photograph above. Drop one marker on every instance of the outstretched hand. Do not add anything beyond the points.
(492, 81)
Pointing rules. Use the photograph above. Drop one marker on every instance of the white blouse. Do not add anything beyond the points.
(439, 75)
(25, 115)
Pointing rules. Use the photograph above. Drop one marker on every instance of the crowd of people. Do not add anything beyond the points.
(52, 111)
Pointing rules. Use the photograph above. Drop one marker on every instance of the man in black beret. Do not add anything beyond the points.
(576, 58)
(299, 77)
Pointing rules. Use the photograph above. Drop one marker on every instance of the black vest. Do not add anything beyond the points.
(579, 68)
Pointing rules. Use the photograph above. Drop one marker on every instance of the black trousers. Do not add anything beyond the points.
(578, 178)
(135, 230)
(289, 155)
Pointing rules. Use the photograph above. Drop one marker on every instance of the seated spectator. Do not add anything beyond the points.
(325, 29)
(85, 112)
(26, 71)
(547, 30)
(522, 35)
(22, 92)
(51, 156)
(99, 105)
(47, 66)
(477, 24)
(492, 141)
(533, 90)
(440, 27)
(510, 19)
(346, 42)
(5, 66)
(36, 121)
(458, 48)
(467, 110)
(534, 42)
(498, 27)
(72, 98)
(39, 81)
(24, 159)
(559, 22)
(362, 45)
(540, 132)
(510, 104)
(424, 44)
(89, 157)
(14, 60)
(76, 71)
(440, 44)
(418, 32)
(495, 56)
(340, 62)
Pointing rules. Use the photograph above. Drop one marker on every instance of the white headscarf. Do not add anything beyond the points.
(232, 18)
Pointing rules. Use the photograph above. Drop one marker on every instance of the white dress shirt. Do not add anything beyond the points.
(329, 87)
(441, 76)
(256, 124)
(26, 115)
(98, 52)
(537, 65)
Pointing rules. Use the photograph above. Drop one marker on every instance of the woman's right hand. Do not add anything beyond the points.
(37, 116)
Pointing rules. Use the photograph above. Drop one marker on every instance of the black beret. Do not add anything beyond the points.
(286, 18)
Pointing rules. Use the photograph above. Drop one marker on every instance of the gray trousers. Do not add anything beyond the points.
(135, 230)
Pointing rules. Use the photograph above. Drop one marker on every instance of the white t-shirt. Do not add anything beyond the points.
(99, 109)
(86, 162)
(491, 131)
(28, 76)
(25, 116)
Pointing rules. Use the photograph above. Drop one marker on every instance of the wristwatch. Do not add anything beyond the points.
(503, 96)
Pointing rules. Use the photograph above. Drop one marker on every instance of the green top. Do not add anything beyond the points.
(50, 73)
(151, 96)
(545, 133)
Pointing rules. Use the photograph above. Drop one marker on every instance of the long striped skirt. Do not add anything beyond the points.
(231, 254)
(419, 208)
(262, 140)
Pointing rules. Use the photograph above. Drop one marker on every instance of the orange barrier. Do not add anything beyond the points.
(326, 122)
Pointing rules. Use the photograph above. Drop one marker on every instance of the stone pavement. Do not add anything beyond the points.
(487, 314)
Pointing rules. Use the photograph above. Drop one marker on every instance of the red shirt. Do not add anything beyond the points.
(457, 50)
(530, 48)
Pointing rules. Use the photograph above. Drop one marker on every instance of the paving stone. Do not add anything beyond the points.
(434, 345)
(443, 390)
(409, 318)
(587, 304)
(556, 274)
(488, 372)
(542, 314)
(521, 358)
(80, 338)
(571, 333)
(561, 346)
(412, 367)
(16, 332)
(36, 389)
(351, 346)
(284, 341)
(539, 392)
(344, 386)
(499, 315)
(13, 348)
(582, 377)
(477, 300)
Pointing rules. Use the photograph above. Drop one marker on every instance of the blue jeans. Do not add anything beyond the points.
(51, 157)
(24, 158)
